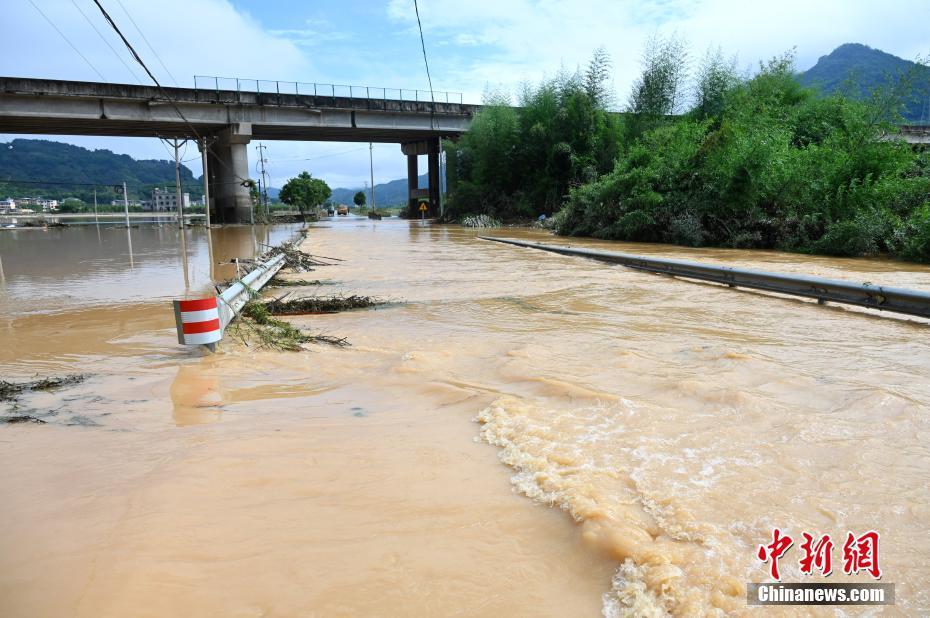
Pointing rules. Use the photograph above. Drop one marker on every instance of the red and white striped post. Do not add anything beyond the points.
(198, 322)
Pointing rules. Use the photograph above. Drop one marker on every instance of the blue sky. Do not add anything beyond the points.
(472, 46)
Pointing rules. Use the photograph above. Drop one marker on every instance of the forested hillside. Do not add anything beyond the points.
(42, 168)
(858, 70)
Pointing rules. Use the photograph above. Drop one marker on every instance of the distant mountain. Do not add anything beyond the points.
(390, 193)
(42, 168)
(858, 69)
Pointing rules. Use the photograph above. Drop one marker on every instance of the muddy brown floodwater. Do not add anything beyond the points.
(521, 433)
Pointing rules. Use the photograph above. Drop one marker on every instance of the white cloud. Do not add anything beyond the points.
(313, 32)
(206, 37)
(529, 40)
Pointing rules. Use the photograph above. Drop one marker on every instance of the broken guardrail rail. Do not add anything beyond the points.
(883, 298)
(203, 321)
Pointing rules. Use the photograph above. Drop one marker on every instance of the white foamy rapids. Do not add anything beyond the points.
(584, 461)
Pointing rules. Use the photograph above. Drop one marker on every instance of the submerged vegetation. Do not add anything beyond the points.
(753, 161)
(319, 304)
(276, 334)
(9, 391)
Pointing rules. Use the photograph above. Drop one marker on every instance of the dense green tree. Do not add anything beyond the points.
(769, 165)
(757, 161)
(359, 198)
(305, 192)
(519, 162)
(71, 205)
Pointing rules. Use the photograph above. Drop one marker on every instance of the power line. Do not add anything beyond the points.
(325, 156)
(67, 40)
(66, 183)
(118, 57)
(152, 49)
(160, 88)
(425, 61)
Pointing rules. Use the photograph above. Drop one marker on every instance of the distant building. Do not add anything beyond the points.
(47, 205)
(7, 206)
(164, 200)
(129, 202)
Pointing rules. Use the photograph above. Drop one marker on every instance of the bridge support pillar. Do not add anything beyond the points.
(432, 165)
(230, 168)
(429, 147)
(412, 183)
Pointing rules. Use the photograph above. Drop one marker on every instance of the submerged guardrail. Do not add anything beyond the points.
(883, 298)
(203, 321)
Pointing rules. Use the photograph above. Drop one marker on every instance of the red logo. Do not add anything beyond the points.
(775, 550)
(817, 555)
(859, 553)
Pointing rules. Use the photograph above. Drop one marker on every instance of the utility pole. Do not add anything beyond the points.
(96, 221)
(206, 182)
(177, 182)
(262, 160)
(126, 206)
(371, 163)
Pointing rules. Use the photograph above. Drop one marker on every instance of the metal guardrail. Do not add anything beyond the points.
(883, 298)
(238, 294)
(259, 86)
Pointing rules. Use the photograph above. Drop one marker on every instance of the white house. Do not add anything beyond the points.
(164, 200)
(8, 205)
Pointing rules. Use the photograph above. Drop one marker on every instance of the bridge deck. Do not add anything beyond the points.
(58, 107)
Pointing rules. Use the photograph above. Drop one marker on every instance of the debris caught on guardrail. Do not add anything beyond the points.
(268, 332)
(297, 260)
(292, 283)
(319, 304)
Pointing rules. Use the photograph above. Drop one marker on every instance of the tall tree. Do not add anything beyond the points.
(658, 90)
(359, 198)
(305, 192)
(596, 78)
(716, 76)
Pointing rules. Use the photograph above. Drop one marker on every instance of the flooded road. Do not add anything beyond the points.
(521, 433)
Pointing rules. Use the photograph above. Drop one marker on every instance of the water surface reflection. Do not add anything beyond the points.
(58, 269)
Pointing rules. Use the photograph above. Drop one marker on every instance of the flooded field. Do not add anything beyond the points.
(519, 433)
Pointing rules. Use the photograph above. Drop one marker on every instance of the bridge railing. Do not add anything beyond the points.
(260, 86)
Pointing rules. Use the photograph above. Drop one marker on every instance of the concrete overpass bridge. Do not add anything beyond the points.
(229, 118)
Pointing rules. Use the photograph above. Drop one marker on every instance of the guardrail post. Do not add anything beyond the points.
(207, 319)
